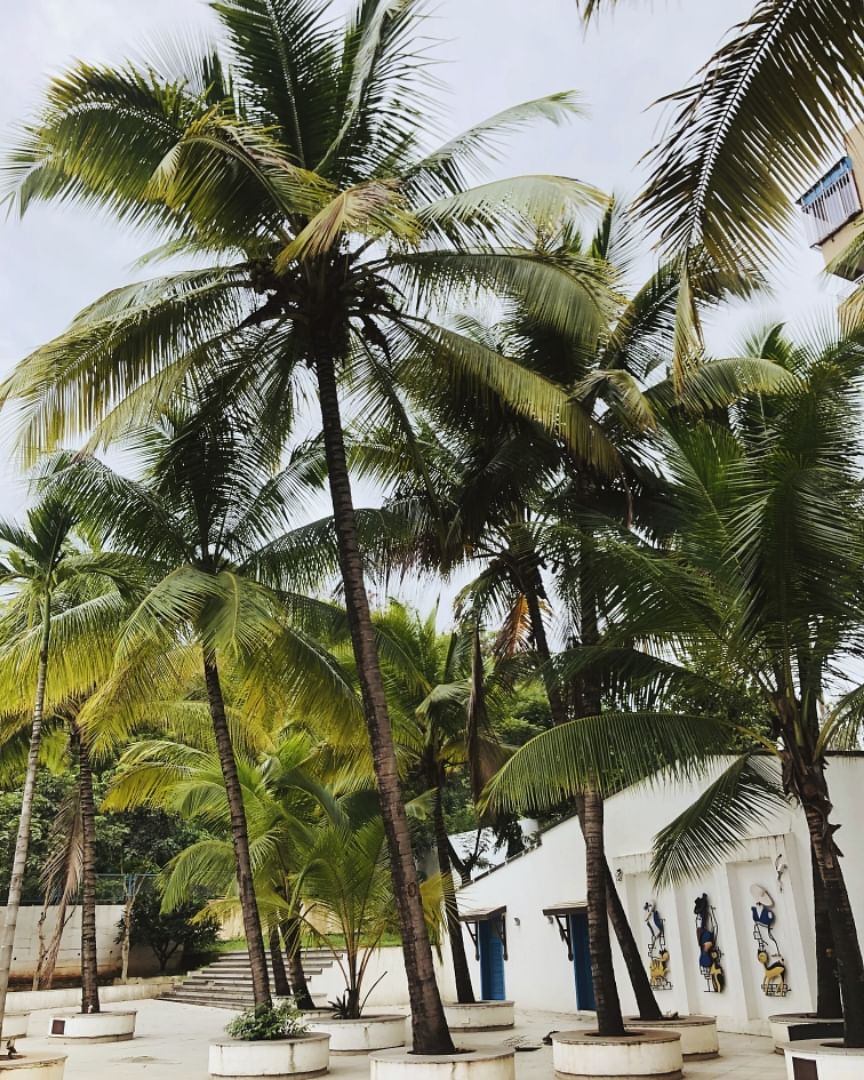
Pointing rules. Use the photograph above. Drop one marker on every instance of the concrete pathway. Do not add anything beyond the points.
(171, 1044)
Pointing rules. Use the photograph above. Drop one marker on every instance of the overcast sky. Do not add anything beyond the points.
(497, 52)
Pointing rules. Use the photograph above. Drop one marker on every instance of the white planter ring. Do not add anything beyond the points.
(793, 1027)
(101, 1027)
(33, 1067)
(361, 1036)
(14, 1027)
(277, 1059)
(699, 1040)
(480, 1016)
(832, 1061)
(490, 1063)
(587, 1055)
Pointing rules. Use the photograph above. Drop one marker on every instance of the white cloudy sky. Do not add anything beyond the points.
(498, 52)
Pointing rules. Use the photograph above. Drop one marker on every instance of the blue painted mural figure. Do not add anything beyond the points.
(709, 950)
(767, 950)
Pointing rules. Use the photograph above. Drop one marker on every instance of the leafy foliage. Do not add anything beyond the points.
(264, 1023)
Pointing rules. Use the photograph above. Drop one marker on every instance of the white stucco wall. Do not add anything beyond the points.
(385, 977)
(142, 960)
(538, 973)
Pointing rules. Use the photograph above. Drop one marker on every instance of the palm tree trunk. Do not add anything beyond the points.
(461, 971)
(809, 782)
(609, 1019)
(646, 1002)
(294, 955)
(828, 1001)
(429, 1026)
(280, 975)
(89, 959)
(22, 840)
(239, 833)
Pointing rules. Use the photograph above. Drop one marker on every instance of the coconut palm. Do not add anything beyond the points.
(765, 571)
(297, 158)
(60, 589)
(750, 132)
(202, 520)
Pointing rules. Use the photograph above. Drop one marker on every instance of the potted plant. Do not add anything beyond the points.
(270, 1040)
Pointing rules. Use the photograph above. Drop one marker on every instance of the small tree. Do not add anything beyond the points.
(185, 929)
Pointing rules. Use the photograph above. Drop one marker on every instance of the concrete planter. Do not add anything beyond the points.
(831, 1059)
(699, 1039)
(301, 1056)
(481, 1016)
(14, 1026)
(33, 1067)
(491, 1063)
(588, 1056)
(361, 1036)
(793, 1027)
(101, 1027)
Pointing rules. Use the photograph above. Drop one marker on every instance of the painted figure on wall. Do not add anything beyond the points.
(767, 950)
(658, 954)
(709, 951)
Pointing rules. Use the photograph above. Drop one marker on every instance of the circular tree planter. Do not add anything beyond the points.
(793, 1027)
(490, 1063)
(480, 1016)
(101, 1027)
(300, 1056)
(699, 1039)
(588, 1055)
(831, 1059)
(33, 1067)
(361, 1036)
(14, 1026)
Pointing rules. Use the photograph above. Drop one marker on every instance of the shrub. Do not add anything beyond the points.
(263, 1023)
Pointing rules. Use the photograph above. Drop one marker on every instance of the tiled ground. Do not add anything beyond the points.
(171, 1044)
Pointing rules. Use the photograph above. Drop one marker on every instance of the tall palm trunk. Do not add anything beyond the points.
(294, 956)
(429, 1025)
(22, 840)
(828, 1000)
(609, 1019)
(239, 833)
(461, 971)
(280, 975)
(646, 1002)
(808, 779)
(89, 959)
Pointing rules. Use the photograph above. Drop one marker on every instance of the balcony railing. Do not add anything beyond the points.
(830, 203)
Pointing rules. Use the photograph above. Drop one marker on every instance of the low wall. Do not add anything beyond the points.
(386, 965)
(35, 1000)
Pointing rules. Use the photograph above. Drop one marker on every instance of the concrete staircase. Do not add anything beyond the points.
(227, 982)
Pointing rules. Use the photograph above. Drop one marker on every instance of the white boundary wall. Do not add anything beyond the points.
(776, 856)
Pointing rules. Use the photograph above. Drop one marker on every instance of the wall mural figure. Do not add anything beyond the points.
(709, 950)
(658, 954)
(767, 950)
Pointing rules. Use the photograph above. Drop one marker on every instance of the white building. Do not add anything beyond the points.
(533, 909)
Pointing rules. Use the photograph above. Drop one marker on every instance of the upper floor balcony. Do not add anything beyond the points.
(831, 203)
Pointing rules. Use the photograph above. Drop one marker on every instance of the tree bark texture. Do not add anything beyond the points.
(430, 1032)
(461, 971)
(89, 958)
(239, 833)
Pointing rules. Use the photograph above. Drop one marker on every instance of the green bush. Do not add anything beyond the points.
(263, 1023)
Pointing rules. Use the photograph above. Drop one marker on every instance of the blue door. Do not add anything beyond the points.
(582, 960)
(491, 962)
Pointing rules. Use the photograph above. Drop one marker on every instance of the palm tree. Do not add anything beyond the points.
(748, 133)
(294, 157)
(201, 520)
(41, 562)
(763, 574)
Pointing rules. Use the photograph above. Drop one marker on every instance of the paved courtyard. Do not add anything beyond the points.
(172, 1038)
